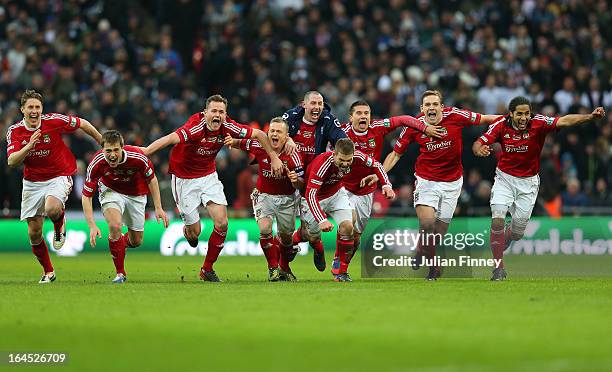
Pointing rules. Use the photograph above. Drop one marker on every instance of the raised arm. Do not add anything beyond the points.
(488, 119)
(160, 143)
(88, 128)
(577, 119)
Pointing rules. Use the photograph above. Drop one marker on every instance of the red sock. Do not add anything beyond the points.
(126, 241)
(317, 246)
(117, 249)
(41, 252)
(344, 246)
(215, 245)
(57, 224)
(285, 252)
(269, 249)
(356, 243)
(497, 245)
(297, 237)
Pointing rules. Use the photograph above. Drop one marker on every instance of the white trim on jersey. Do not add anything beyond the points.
(93, 163)
(325, 166)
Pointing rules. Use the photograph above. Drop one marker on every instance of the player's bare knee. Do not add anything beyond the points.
(346, 228)
(114, 229)
(427, 225)
(53, 212)
(497, 224)
(221, 225)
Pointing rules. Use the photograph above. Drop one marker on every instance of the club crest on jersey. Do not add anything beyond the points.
(46, 138)
(525, 135)
(507, 136)
(371, 143)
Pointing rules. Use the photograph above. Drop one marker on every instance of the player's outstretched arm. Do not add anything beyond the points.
(480, 149)
(17, 157)
(159, 211)
(577, 119)
(94, 231)
(391, 160)
(231, 142)
(488, 119)
(160, 143)
(88, 128)
(275, 162)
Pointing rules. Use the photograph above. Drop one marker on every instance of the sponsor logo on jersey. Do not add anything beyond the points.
(432, 146)
(511, 148)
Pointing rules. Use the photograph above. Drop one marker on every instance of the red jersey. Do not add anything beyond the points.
(305, 141)
(194, 156)
(266, 181)
(130, 177)
(50, 157)
(325, 178)
(439, 158)
(371, 142)
(521, 149)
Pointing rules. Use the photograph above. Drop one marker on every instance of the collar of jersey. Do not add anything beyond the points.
(25, 124)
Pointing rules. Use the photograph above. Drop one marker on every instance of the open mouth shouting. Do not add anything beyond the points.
(274, 141)
(315, 114)
(363, 124)
(432, 115)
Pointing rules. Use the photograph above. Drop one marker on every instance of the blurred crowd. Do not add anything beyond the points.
(143, 67)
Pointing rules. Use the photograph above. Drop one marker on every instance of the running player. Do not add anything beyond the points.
(325, 193)
(438, 169)
(36, 141)
(274, 197)
(194, 175)
(521, 135)
(125, 176)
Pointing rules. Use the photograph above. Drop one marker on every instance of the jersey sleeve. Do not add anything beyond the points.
(466, 117)
(92, 176)
(295, 164)
(546, 124)
(237, 130)
(405, 138)
(192, 130)
(403, 121)
(320, 167)
(12, 143)
(369, 162)
(493, 132)
(68, 124)
(149, 170)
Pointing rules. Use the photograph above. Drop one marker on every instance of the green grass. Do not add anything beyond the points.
(166, 319)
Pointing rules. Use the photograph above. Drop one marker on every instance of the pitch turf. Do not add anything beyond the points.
(164, 318)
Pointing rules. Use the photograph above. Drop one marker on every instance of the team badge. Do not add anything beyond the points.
(46, 138)
(371, 143)
(507, 136)
(525, 135)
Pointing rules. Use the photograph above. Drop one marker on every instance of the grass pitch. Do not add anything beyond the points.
(164, 318)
